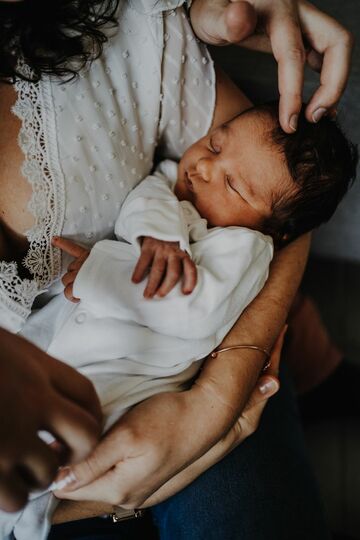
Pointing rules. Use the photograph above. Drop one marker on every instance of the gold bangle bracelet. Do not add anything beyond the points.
(253, 347)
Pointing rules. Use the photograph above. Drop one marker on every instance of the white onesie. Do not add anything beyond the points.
(132, 347)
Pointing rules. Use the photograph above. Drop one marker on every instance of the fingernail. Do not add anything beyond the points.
(318, 114)
(63, 480)
(293, 122)
(268, 387)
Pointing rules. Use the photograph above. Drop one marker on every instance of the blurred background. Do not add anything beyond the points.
(332, 277)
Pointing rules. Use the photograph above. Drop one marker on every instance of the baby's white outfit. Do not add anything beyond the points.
(130, 347)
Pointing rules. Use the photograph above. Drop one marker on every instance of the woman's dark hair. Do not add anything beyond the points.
(53, 37)
(322, 163)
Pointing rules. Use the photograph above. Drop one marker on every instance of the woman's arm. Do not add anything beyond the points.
(230, 377)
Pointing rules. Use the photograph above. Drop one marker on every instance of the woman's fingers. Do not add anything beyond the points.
(238, 21)
(101, 460)
(334, 43)
(332, 82)
(288, 49)
(41, 462)
(13, 492)
(73, 426)
(221, 22)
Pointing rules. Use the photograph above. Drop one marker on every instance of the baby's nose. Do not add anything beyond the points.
(204, 169)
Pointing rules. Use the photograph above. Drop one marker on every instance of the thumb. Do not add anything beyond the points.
(221, 22)
(266, 386)
(97, 463)
(240, 21)
(268, 383)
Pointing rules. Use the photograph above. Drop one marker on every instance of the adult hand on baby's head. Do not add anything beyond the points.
(80, 254)
(164, 443)
(37, 393)
(282, 27)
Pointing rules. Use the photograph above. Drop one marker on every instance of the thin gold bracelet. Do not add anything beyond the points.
(253, 347)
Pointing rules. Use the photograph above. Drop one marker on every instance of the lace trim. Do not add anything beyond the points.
(18, 294)
(37, 139)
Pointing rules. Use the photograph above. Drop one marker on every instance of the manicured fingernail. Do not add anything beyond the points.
(64, 479)
(268, 387)
(293, 122)
(318, 114)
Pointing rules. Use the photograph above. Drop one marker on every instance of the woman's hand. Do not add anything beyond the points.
(164, 443)
(295, 32)
(37, 393)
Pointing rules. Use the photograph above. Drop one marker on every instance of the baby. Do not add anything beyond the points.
(210, 221)
(247, 173)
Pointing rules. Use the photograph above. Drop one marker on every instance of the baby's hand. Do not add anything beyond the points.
(166, 264)
(80, 254)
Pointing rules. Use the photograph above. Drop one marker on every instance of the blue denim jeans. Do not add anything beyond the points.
(263, 490)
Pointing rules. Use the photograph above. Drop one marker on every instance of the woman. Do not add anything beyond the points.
(67, 198)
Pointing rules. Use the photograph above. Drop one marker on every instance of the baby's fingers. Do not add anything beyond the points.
(142, 266)
(69, 247)
(68, 282)
(189, 275)
(155, 277)
(172, 276)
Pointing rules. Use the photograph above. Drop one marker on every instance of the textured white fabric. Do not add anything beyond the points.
(89, 142)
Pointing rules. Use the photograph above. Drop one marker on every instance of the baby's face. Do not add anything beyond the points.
(233, 176)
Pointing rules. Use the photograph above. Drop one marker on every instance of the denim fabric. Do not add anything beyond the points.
(263, 490)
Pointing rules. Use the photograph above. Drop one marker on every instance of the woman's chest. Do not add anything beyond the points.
(15, 191)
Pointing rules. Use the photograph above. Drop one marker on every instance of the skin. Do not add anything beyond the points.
(296, 33)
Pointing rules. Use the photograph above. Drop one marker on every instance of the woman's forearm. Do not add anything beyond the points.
(230, 378)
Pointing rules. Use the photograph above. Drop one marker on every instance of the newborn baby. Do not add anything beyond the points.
(210, 221)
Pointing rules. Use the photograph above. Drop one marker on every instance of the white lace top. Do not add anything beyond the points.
(87, 143)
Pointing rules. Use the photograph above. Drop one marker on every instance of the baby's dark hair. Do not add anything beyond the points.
(322, 163)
